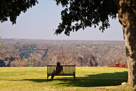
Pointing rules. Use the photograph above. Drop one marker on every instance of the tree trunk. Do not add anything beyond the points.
(127, 17)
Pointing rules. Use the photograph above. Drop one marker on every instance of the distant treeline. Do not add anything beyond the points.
(19, 52)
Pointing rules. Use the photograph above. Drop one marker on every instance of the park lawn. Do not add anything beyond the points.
(63, 85)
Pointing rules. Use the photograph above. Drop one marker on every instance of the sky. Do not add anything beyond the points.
(40, 22)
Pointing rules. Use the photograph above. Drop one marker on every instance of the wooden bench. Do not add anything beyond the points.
(68, 70)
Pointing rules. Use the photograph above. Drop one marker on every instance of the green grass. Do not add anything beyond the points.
(63, 85)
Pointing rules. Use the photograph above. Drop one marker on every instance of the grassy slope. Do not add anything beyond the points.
(62, 85)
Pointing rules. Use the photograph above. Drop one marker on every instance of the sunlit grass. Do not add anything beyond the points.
(81, 72)
(23, 73)
(63, 85)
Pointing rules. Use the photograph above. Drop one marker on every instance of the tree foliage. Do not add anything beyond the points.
(79, 14)
(13, 8)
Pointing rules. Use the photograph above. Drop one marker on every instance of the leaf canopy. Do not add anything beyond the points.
(12, 8)
(79, 14)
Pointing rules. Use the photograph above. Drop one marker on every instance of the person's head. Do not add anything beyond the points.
(58, 63)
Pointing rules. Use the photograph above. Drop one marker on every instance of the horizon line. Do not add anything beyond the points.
(59, 39)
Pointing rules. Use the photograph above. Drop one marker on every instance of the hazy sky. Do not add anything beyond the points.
(40, 21)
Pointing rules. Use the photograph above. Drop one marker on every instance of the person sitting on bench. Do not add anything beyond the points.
(58, 70)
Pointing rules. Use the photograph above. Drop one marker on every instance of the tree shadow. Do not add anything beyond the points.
(105, 79)
(112, 80)
(90, 83)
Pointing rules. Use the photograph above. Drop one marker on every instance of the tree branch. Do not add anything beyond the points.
(117, 3)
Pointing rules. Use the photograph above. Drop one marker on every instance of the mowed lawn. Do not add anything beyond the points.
(63, 85)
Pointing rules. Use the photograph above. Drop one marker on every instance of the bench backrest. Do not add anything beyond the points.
(67, 69)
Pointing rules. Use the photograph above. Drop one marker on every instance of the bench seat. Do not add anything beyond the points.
(68, 70)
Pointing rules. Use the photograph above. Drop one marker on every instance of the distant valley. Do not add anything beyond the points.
(39, 53)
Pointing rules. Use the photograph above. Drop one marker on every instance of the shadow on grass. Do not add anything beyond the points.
(112, 79)
(90, 83)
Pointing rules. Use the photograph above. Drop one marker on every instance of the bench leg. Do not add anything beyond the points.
(74, 76)
(52, 77)
(47, 76)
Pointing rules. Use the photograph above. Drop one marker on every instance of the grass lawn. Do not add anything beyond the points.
(63, 85)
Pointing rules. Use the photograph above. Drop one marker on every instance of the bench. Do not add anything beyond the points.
(68, 70)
